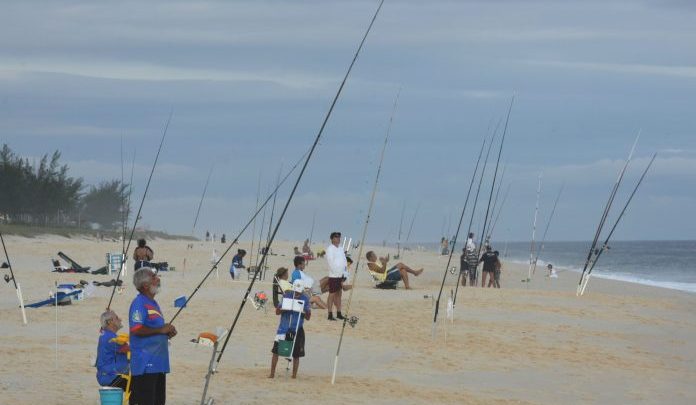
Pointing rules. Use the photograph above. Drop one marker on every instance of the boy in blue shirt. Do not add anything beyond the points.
(237, 263)
(291, 321)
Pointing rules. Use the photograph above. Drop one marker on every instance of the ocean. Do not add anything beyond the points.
(666, 264)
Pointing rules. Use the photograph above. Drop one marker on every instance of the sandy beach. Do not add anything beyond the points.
(533, 343)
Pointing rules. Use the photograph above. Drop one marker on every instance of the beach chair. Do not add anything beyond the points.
(57, 267)
(381, 282)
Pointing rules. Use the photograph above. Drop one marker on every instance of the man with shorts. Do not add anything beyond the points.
(336, 259)
(291, 328)
(490, 262)
(397, 272)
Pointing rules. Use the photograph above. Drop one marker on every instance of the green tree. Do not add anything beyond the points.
(105, 204)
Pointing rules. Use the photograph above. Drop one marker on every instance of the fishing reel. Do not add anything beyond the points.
(260, 300)
(8, 278)
(352, 321)
(453, 270)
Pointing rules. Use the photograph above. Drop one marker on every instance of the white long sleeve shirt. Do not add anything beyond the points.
(336, 259)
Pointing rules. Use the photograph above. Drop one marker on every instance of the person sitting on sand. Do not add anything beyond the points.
(306, 250)
(296, 251)
(112, 352)
(142, 255)
(552, 271)
(280, 284)
(397, 272)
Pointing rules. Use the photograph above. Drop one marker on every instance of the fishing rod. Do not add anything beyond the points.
(401, 223)
(410, 228)
(311, 232)
(239, 235)
(200, 203)
(495, 175)
(605, 245)
(500, 210)
(456, 235)
(605, 214)
(263, 224)
(495, 199)
(364, 234)
(18, 288)
(473, 211)
(137, 217)
(198, 210)
(534, 224)
(123, 203)
(270, 220)
(548, 224)
(253, 228)
(309, 154)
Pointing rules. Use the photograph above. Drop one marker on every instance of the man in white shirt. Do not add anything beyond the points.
(336, 259)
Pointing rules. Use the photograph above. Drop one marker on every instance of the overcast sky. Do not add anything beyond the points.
(249, 83)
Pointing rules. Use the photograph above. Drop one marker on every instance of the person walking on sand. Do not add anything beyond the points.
(336, 259)
(498, 269)
(237, 263)
(149, 336)
(397, 272)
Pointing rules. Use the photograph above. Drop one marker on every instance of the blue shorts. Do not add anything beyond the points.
(393, 274)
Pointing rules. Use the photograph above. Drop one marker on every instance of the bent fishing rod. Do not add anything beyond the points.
(546, 230)
(362, 239)
(495, 175)
(456, 235)
(18, 288)
(473, 211)
(605, 214)
(239, 235)
(605, 245)
(142, 201)
(410, 228)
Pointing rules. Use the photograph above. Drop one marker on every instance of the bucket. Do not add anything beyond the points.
(111, 396)
(285, 348)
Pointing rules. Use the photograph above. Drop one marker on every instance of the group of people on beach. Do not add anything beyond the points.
(294, 295)
(469, 261)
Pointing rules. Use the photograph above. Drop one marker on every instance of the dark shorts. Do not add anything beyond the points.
(298, 350)
(335, 284)
(149, 389)
(485, 270)
(393, 274)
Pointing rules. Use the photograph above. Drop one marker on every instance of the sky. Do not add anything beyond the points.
(249, 83)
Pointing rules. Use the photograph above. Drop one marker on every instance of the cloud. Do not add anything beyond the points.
(135, 71)
(620, 68)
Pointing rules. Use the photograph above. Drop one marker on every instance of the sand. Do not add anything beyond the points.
(533, 343)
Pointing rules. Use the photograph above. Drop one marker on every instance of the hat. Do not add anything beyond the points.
(298, 286)
(335, 234)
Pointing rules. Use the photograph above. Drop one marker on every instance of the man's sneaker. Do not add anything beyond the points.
(331, 318)
(339, 316)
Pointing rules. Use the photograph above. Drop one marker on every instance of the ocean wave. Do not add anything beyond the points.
(672, 285)
(617, 276)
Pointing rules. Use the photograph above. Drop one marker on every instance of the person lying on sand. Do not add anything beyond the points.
(397, 272)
